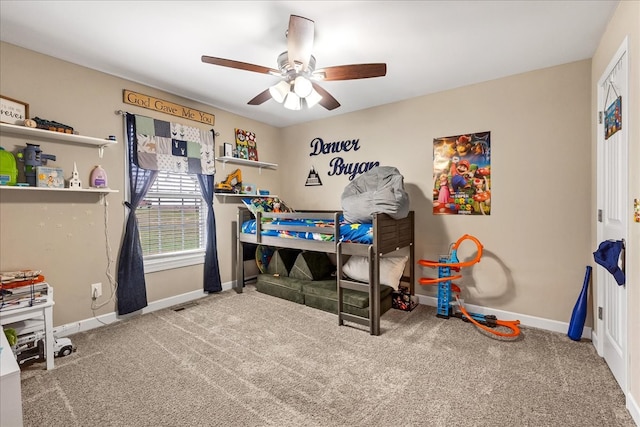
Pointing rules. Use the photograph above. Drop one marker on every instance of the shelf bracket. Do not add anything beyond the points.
(101, 151)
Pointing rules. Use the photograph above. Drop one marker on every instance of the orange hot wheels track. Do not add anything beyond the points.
(445, 287)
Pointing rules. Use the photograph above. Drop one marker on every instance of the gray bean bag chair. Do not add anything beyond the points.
(379, 190)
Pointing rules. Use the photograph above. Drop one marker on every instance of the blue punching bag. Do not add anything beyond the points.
(580, 310)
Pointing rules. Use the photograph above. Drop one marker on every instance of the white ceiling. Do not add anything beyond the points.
(428, 46)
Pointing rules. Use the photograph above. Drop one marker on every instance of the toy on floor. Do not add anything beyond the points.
(445, 307)
(30, 347)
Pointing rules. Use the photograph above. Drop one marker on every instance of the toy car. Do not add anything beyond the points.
(31, 348)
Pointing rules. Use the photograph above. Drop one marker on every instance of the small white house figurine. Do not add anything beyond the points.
(74, 181)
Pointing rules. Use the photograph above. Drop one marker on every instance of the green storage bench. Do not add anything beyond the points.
(309, 278)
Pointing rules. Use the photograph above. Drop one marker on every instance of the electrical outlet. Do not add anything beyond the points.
(96, 290)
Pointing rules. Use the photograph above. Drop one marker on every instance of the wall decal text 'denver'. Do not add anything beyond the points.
(146, 101)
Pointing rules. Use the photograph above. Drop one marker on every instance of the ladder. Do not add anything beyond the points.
(372, 288)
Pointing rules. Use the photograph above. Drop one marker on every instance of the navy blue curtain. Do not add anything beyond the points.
(132, 290)
(212, 281)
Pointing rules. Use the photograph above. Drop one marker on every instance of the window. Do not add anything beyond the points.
(172, 222)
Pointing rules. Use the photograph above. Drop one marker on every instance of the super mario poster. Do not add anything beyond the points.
(462, 174)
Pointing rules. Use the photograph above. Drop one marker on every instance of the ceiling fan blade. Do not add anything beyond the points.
(300, 41)
(260, 98)
(239, 65)
(351, 72)
(327, 101)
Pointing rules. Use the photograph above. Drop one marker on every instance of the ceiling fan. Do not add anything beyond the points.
(297, 67)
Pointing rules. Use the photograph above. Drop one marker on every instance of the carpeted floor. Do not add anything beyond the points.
(254, 360)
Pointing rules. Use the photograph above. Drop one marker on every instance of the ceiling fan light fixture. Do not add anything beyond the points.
(313, 98)
(279, 91)
(297, 69)
(292, 101)
(302, 86)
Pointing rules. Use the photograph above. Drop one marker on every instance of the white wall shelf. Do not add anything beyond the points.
(241, 196)
(59, 137)
(47, 135)
(253, 163)
(66, 190)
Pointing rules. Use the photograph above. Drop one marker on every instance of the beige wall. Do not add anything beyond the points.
(63, 234)
(536, 239)
(540, 141)
(625, 23)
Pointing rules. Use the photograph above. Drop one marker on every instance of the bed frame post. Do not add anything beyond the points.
(339, 289)
(412, 256)
(374, 291)
(239, 284)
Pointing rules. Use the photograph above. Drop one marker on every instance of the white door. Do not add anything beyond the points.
(613, 210)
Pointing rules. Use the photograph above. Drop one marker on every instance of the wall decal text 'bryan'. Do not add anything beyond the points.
(337, 165)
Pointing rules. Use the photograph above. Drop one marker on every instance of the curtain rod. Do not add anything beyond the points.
(122, 113)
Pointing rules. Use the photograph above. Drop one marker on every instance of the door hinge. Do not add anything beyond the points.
(599, 215)
(600, 117)
(600, 313)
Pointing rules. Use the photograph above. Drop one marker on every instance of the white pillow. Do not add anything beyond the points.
(391, 269)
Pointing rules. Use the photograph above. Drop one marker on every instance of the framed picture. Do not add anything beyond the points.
(13, 111)
(228, 150)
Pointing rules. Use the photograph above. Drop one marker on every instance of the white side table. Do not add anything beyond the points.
(10, 391)
(41, 309)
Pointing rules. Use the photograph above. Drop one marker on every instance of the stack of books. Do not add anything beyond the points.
(24, 288)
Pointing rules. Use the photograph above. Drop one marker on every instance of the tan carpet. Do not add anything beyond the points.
(254, 360)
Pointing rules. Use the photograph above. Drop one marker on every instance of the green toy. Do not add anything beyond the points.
(11, 335)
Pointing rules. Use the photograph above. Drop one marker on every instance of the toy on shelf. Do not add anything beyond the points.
(49, 177)
(8, 168)
(446, 289)
(49, 125)
(74, 181)
(32, 157)
(232, 184)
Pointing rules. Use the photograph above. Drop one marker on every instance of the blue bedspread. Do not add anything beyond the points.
(355, 233)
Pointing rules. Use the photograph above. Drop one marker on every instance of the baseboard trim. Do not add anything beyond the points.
(530, 321)
(106, 319)
(634, 408)
(595, 339)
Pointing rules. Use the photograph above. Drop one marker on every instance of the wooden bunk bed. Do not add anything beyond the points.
(389, 236)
